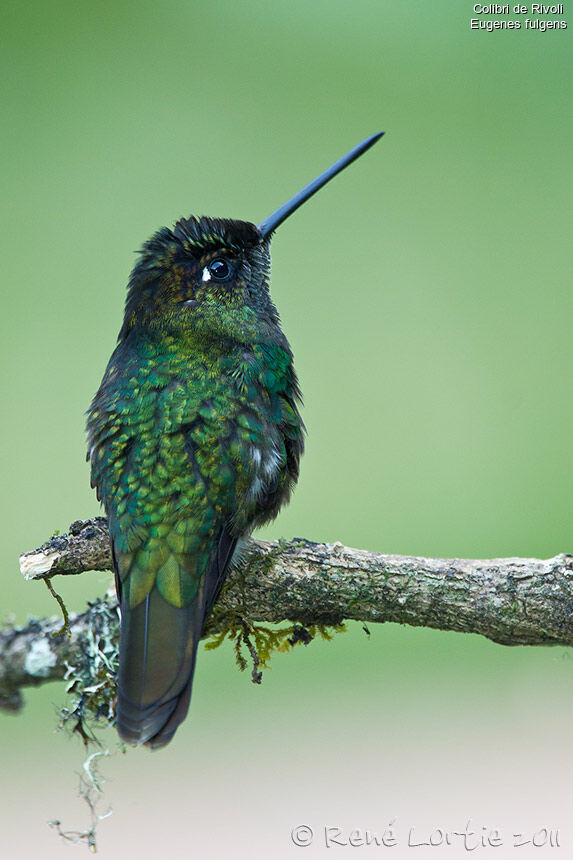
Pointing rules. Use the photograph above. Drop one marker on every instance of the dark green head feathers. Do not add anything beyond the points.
(182, 272)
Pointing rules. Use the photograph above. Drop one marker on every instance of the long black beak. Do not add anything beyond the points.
(271, 223)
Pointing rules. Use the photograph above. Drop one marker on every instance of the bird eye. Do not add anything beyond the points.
(219, 269)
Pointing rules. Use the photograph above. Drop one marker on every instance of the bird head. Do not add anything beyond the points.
(209, 277)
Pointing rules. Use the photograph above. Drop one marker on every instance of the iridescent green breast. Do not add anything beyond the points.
(183, 446)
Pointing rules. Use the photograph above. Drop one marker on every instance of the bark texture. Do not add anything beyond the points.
(512, 601)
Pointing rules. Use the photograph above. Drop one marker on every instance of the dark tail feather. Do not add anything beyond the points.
(157, 652)
(179, 713)
(158, 646)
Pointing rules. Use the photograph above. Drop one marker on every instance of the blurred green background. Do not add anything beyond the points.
(427, 296)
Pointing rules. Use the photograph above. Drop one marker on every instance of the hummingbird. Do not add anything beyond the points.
(194, 439)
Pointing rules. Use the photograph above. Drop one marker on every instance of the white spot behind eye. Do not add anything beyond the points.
(206, 274)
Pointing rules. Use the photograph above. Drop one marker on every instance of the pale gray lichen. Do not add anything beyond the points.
(40, 659)
(92, 678)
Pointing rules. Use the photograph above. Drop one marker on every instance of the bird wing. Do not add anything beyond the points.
(183, 470)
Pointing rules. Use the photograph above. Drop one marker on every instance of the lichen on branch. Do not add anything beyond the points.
(512, 601)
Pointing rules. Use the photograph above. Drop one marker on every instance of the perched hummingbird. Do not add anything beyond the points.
(194, 439)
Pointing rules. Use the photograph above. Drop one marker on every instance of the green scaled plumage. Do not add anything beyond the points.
(195, 438)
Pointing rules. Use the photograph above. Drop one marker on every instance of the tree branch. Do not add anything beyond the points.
(512, 601)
